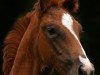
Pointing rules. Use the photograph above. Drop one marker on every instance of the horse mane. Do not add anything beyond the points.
(14, 37)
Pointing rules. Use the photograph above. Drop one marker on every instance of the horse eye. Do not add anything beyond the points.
(51, 32)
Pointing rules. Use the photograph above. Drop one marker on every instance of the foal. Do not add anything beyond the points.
(46, 41)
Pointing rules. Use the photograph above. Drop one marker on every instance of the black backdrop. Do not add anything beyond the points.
(88, 15)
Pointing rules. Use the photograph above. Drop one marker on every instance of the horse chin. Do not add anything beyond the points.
(65, 70)
(55, 72)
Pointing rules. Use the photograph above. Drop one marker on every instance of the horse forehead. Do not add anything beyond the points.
(67, 21)
(54, 14)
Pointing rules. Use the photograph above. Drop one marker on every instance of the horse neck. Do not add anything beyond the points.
(12, 41)
(26, 63)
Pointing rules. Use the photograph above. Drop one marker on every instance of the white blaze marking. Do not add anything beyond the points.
(67, 21)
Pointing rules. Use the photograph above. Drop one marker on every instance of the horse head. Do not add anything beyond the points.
(59, 38)
(47, 41)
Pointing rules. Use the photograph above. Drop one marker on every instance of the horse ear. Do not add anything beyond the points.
(45, 4)
(71, 5)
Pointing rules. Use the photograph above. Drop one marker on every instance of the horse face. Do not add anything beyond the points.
(59, 43)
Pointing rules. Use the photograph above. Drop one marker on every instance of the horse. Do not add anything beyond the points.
(46, 41)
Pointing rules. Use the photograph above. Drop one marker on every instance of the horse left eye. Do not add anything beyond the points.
(51, 32)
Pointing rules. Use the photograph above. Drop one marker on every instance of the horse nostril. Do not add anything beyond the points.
(83, 72)
(92, 73)
(80, 71)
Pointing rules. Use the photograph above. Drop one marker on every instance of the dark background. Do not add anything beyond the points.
(88, 15)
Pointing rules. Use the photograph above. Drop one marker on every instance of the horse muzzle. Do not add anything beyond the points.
(86, 67)
(83, 71)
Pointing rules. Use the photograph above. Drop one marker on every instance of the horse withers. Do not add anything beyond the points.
(46, 41)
